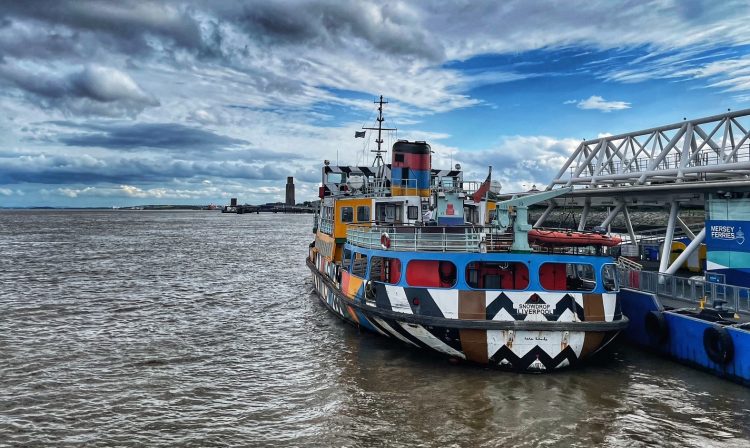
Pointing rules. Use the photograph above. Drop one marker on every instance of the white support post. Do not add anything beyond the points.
(667, 249)
(695, 244)
(584, 215)
(544, 216)
(612, 214)
(629, 225)
(689, 233)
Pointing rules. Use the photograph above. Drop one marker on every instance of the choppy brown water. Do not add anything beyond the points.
(199, 329)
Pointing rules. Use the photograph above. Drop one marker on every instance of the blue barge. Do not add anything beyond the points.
(701, 324)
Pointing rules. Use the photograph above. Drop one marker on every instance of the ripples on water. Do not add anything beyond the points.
(199, 329)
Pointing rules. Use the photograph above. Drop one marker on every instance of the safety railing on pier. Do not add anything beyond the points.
(692, 291)
(430, 238)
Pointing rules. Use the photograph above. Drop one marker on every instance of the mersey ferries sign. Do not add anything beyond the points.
(726, 232)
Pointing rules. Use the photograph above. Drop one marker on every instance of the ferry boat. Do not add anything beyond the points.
(419, 255)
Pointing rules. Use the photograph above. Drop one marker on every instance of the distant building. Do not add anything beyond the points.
(290, 191)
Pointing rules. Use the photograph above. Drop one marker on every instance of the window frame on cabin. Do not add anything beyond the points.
(359, 214)
(406, 275)
(467, 276)
(350, 213)
(568, 266)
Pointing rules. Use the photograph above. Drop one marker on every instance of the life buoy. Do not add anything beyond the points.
(656, 327)
(718, 344)
(385, 240)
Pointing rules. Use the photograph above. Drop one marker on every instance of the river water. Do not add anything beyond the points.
(144, 328)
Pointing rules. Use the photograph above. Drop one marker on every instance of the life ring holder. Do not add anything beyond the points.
(657, 328)
(718, 344)
(385, 241)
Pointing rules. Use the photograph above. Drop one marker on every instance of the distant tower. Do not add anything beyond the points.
(290, 191)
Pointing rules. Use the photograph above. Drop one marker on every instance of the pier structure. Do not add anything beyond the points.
(703, 163)
(703, 321)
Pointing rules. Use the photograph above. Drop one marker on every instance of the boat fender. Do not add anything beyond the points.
(385, 241)
(369, 290)
(656, 327)
(718, 344)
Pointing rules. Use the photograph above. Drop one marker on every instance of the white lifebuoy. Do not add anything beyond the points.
(385, 241)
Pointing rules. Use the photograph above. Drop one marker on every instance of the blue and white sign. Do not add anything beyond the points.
(726, 235)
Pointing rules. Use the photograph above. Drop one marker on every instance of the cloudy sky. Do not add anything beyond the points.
(193, 102)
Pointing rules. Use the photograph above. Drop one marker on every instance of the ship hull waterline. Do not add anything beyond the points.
(516, 345)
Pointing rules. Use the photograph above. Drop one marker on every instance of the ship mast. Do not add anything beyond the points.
(379, 152)
(378, 163)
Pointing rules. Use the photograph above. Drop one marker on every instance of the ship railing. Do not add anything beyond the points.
(375, 189)
(326, 225)
(409, 187)
(693, 291)
(430, 238)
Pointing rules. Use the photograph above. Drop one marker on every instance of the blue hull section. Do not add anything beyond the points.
(684, 338)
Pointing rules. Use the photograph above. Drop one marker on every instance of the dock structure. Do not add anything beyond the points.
(694, 163)
(702, 163)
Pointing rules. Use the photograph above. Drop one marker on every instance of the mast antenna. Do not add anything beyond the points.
(379, 151)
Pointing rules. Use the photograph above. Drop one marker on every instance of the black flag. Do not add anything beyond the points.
(359, 134)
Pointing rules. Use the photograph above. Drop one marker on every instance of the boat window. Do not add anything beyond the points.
(386, 270)
(413, 212)
(363, 213)
(497, 275)
(346, 259)
(347, 214)
(431, 273)
(567, 277)
(611, 277)
(359, 265)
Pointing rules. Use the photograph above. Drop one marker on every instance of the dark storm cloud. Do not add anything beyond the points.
(109, 168)
(171, 136)
(335, 23)
(131, 22)
(175, 138)
(94, 90)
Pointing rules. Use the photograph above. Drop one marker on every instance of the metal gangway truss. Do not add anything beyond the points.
(706, 149)
(669, 167)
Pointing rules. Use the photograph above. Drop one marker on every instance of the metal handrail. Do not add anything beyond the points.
(691, 290)
(430, 238)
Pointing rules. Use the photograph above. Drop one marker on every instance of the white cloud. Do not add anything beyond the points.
(518, 162)
(598, 103)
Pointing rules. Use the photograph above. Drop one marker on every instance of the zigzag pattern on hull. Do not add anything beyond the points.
(519, 351)
(535, 359)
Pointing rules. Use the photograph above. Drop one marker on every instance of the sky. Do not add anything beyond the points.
(193, 102)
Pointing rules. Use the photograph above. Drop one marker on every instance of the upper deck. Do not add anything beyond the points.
(467, 238)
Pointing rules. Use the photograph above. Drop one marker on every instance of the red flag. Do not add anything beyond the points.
(483, 189)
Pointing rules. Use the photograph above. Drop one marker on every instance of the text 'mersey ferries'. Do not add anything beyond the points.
(419, 255)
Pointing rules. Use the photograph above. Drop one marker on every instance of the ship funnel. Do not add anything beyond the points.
(410, 168)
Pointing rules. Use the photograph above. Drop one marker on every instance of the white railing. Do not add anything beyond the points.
(430, 238)
(626, 263)
(376, 188)
(326, 226)
(690, 290)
